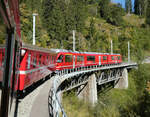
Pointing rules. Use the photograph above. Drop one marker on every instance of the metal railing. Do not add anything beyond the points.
(54, 103)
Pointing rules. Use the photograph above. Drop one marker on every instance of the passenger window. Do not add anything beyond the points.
(3, 57)
(80, 58)
(68, 58)
(43, 60)
(91, 58)
(47, 60)
(29, 61)
(52, 59)
(104, 57)
(112, 58)
(40, 56)
(60, 59)
(34, 62)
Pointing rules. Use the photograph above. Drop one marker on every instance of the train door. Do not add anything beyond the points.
(74, 60)
(80, 61)
(99, 60)
(116, 59)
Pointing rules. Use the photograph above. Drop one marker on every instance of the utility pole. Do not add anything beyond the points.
(111, 47)
(96, 11)
(74, 40)
(34, 14)
(128, 52)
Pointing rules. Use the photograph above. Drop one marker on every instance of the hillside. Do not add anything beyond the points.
(94, 34)
(93, 31)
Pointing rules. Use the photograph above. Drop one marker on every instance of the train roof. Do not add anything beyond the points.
(36, 48)
(55, 51)
(64, 50)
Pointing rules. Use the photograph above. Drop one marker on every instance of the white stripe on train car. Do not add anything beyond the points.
(23, 72)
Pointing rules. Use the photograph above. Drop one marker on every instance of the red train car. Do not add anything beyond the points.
(36, 63)
(68, 60)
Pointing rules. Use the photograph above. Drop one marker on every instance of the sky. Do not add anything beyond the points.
(122, 2)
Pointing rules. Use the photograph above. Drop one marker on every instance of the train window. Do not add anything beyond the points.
(80, 58)
(3, 56)
(40, 56)
(43, 61)
(60, 59)
(52, 59)
(112, 58)
(68, 58)
(91, 58)
(34, 62)
(118, 57)
(29, 61)
(47, 59)
(104, 57)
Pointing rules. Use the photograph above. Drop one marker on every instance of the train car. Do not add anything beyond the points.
(68, 60)
(114, 59)
(35, 63)
(9, 57)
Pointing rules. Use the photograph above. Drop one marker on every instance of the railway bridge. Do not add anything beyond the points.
(85, 81)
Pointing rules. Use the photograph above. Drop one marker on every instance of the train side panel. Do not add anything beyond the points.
(34, 66)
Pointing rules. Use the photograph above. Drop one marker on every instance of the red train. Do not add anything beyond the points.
(36, 63)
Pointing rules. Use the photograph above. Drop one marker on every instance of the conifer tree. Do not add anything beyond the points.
(148, 13)
(128, 6)
(53, 17)
(61, 17)
(140, 7)
(136, 6)
(104, 8)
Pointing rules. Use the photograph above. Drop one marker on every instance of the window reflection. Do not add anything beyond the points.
(2, 50)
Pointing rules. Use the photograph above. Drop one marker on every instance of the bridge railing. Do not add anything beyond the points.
(54, 103)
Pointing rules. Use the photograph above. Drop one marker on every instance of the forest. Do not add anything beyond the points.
(96, 23)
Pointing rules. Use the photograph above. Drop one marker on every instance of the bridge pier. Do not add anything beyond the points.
(88, 92)
(123, 82)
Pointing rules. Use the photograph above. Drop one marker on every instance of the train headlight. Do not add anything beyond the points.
(23, 52)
